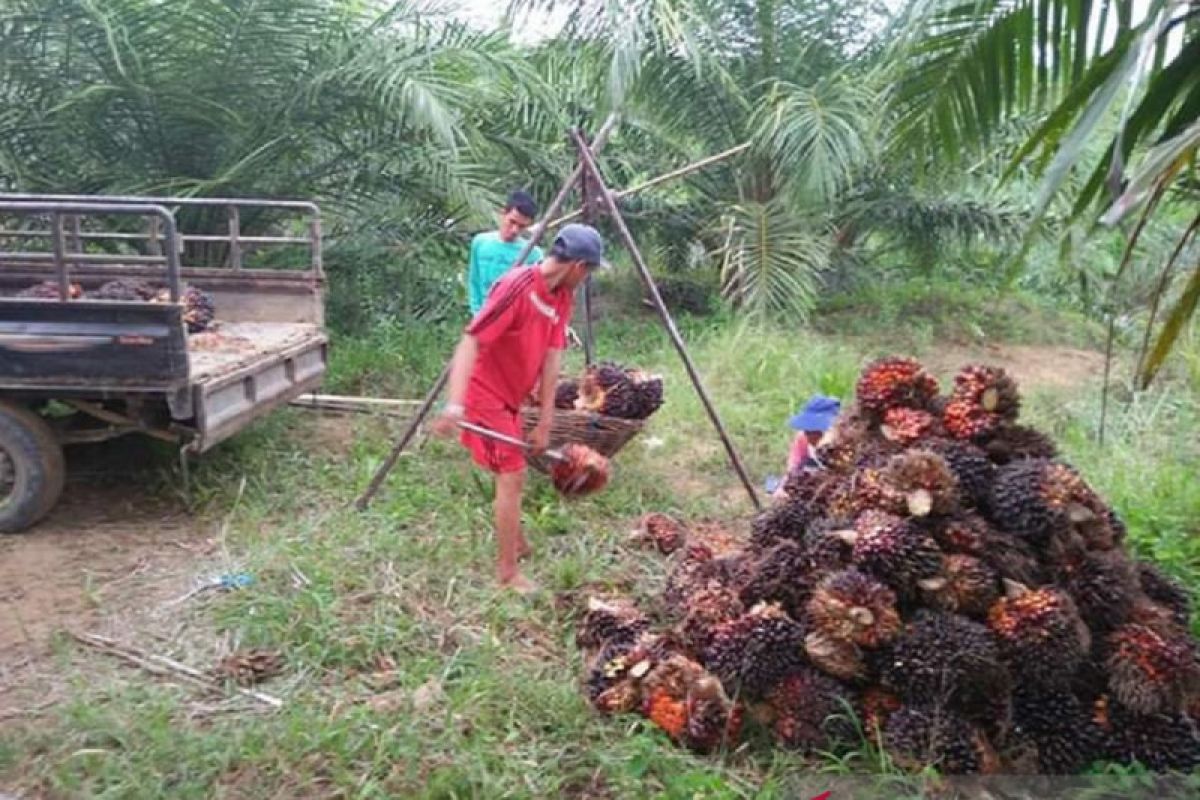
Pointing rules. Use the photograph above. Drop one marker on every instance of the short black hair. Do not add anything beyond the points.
(521, 201)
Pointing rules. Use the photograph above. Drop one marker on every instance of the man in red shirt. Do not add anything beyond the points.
(513, 345)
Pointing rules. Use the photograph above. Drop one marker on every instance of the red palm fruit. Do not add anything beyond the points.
(663, 532)
(1152, 670)
(969, 421)
(895, 381)
(908, 425)
(667, 712)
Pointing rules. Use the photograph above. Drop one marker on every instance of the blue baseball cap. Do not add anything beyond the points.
(818, 414)
(578, 242)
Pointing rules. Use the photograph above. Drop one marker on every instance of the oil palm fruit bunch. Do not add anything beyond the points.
(1165, 591)
(124, 289)
(1152, 669)
(1012, 442)
(1036, 499)
(1104, 585)
(614, 391)
(610, 621)
(895, 551)
(983, 399)
(705, 609)
(583, 471)
(1158, 741)
(778, 574)
(918, 737)
(925, 482)
(966, 585)
(895, 382)
(971, 466)
(809, 712)
(566, 393)
(661, 531)
(198, 309)
(714, 722)
(1041, 635)
(851, 606)
(906, 426)
(755, 651)
(1054, 728)
(946, 660)
(49, 290)
(247, 667)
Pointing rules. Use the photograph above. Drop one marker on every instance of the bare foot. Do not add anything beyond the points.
(519, 584)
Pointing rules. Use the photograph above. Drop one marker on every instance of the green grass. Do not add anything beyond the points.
(344, 596)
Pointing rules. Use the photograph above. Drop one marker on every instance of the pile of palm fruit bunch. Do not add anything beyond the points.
(612, 390)
(943, 585)
(198, 309)
(49, 290)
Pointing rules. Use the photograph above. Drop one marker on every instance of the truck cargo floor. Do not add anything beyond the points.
(231, 346)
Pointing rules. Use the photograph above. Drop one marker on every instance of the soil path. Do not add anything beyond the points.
(1034, 367)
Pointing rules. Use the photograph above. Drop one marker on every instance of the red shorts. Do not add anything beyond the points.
(488, 453)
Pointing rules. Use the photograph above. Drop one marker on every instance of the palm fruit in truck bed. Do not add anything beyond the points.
(124, 289)
(49, 290)
(198, 309)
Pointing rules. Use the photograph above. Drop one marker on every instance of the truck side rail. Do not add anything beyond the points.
(63, 260)
(233, 237)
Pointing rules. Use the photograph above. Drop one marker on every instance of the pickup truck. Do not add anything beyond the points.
(77, 367)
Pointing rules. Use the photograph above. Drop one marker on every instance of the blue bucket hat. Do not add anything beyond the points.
(818, 414)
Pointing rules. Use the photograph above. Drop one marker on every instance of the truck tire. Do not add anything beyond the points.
(32, 468)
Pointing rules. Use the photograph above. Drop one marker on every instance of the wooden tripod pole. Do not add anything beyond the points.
(435, 391)
(596, 180)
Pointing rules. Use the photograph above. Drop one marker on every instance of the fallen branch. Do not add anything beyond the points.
(162, 665)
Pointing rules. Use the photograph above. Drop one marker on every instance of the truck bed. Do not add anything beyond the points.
(232, 346)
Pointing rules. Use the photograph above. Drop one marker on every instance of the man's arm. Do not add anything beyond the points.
(460, 375)
(548, 383)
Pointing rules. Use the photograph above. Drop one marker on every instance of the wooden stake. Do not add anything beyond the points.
(427, 404)
(664, 178)
(610, 203)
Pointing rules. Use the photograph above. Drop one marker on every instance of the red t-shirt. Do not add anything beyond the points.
(520, 321)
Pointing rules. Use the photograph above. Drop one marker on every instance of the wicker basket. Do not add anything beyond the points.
(605, 435)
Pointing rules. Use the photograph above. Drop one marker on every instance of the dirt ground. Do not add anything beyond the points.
(1033, 367)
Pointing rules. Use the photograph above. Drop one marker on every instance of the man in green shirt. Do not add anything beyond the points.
(493, 252)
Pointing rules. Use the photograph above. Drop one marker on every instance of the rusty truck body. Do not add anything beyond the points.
(74, 368)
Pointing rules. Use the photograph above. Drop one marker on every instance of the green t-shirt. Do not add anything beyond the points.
(490, 258)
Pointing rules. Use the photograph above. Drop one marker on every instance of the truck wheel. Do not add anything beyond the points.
(32, 468)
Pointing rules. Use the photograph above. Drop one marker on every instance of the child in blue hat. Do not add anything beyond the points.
(810, 423)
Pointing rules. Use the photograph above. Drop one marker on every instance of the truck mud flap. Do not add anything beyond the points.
(225, 406)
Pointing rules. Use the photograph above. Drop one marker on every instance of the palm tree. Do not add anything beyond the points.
(1096, 75)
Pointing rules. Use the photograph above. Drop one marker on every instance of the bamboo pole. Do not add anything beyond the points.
(610, 203)
(435, 391)
(664, 178)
